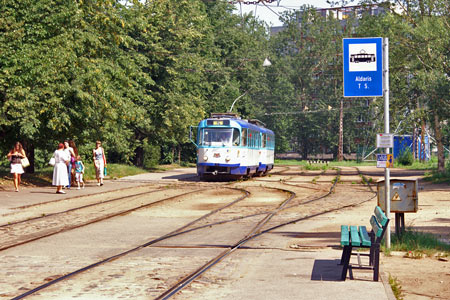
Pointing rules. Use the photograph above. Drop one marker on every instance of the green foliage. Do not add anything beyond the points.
(405, 157)
(152, 155)
(136, 71)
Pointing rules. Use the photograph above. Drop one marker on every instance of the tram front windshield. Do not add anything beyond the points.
(219, 137)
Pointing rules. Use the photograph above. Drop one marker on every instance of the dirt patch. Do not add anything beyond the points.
(426, 277)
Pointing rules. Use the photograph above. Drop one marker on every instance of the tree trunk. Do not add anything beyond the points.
(440, 146)
(304, 148)
(179, 154)
(422, 154)
(139, 157)
(173, 155)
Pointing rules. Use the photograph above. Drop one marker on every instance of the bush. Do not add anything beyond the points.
(405, 157)
(152, 155)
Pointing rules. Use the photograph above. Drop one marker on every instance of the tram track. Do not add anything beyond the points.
(182, 230)
(29, 230)
(257, 230)
(176, 232)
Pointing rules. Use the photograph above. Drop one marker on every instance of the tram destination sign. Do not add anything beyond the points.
(363, 67)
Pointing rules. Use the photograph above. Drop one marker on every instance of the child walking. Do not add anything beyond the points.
(79, 171)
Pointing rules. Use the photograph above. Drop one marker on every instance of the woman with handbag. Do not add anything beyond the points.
(69, 151)
(99, 162)
(60, 175)
(15, 156)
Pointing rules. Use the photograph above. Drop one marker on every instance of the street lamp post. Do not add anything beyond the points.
(266, 63)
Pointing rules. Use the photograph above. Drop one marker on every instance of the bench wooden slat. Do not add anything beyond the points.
(345, 238)
(377, 229)
(354, 236)
(364, 235)
(381, 217)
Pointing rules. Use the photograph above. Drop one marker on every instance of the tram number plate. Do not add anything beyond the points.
(216, 154)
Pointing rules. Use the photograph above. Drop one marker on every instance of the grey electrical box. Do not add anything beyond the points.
(404, 195)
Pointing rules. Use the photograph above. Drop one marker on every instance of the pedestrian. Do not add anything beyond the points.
(73, 159)
(15, 155)
(99, 162)
(69, 151)
(79, 171)
(60, 175)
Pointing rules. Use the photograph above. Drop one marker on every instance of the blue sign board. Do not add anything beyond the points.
(363, 67)
(385, 161)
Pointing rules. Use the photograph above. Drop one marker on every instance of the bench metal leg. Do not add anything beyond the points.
(344, 251)
(371, 254)
(376, 261)
(347, 252)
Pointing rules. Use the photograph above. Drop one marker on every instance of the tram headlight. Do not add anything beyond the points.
(227, 159)
(205, 158)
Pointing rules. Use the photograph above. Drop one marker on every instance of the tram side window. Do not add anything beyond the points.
(257, 139)
(244, 136)
(236, 140)
(264, 144)
(271, 141)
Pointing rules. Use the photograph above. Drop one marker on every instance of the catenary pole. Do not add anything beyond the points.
(386, 130)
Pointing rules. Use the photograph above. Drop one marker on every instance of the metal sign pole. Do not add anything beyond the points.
(386, 130)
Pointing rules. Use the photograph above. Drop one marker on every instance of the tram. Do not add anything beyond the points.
(362, 57)
(231, 148)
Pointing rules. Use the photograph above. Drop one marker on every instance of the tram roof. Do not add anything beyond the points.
(237, 121)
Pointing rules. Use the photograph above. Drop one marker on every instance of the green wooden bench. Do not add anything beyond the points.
(358, 237)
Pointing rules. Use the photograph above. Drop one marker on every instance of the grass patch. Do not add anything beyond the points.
(315, 167)
(43, 177)
(396, 287)
(417, 165)
(113, 171)
(304, 163)
(437, 177)
(417, 244)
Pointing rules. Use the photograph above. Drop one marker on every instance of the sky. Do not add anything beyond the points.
(268, 12)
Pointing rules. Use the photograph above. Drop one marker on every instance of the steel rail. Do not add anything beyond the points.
(191, 277)
(174, 233)
(254, 233)
(92, 221)
(77, 197)
(214, 261)
(77, 208)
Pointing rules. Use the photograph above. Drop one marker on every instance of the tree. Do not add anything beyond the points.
(306, 54)
(421, 34)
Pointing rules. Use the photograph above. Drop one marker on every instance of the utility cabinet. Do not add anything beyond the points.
(404, 199)
(404, 195)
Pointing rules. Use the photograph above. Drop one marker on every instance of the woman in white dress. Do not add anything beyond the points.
(15, 156)
(60, 175)
(99, 162)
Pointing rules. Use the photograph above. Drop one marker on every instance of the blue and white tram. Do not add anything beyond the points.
(228, 146)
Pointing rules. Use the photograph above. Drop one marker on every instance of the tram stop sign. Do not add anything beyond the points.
(363, 67)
